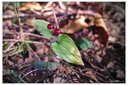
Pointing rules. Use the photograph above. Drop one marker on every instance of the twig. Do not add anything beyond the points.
(103, 9)
(70, 67)
(49, 56)
(34, 35)
(9, 47)
(34, 53)
(17, 16)
(29, 73)
(12, 53)
(62, 5)
(25, 33)
(46, 10)
(73, 70)
(15, 53)
(101, 75)
(87, 12)
(22, 65)
(12, 17)
(24, 71)
(57, 24)
(48, 4)
(14, 40)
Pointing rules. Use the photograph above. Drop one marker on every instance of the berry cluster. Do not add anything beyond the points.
(56, 31)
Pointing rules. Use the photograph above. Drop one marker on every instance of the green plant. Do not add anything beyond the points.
(64, 48)
(24, 48)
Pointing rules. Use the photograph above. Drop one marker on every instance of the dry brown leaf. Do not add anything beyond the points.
(99, 21)
(102, 34)
(10, 62)
(100, 29)
(74, 25)
(91, 74)
(30, 6)
(65, 69)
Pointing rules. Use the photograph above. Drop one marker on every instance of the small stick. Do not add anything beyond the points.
(15, 53)
(62, 5)
(48, 4)
(29, 73)
(25, 33)
(17, 16)
(14, 40)
(57, 24)
(9, 47)
(34, 53)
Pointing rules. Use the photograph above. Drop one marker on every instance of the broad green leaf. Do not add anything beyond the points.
(84, 44)
(41, 26)
(66, 49)
(45, 65)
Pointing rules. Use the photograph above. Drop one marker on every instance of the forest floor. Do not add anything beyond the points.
(104, 62)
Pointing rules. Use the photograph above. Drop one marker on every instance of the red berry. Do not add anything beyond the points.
(50, 26)
(57, 31)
